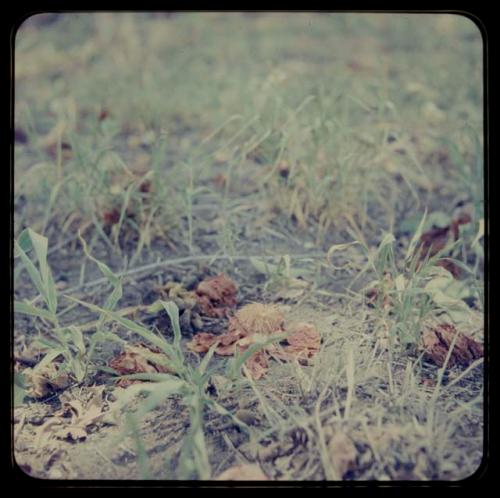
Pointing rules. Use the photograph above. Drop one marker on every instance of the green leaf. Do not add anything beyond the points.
(19, 389)
(134, 327)
(206, 359)
(40, 245)
(29, 309)
(50, 356)
(237, 362)
(173, 313)
(33, 272)
(24, 241)
(415, 239)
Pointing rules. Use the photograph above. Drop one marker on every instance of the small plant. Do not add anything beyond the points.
(62, 341)
(186, 381)
(66, 342)
(415, 288)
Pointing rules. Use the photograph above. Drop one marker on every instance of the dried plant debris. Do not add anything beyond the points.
(256, 318)
(438, 340)
(248, 326)
(257, 365)
(187, 302)
(245, 472)
(342, 453)
(139, 358)
(216, 296)
(77, 418)
(437, 238)
(303, 340)
(46, 379)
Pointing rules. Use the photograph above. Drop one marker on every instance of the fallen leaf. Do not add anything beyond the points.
(45, 380)
(216, 296)
(257, 365)
(302, 343)
(437, 341)
(219, 180)
(202, 342)
(254, 323)
(138, 358)
(342, 453)
(244, 472)
(437, 238)
(303, 335)
(111, 216)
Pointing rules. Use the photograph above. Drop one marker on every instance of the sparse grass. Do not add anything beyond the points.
(277, 148)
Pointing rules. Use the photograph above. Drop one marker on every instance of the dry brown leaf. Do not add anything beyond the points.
(303, 343)
(245, 472)
(138, 359)
(257, 365)
(436, 239)
(303, 335)
(437, 341)
(342, 454)
(202, 342)
(216, 296)
(257, 321)
(44, 381)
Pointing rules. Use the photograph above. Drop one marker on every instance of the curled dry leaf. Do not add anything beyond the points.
(245, 472)
(138, 359)
(111, 216)
(436, 239)
(342, 454)
(216, 296)
(202, 342)
(253, 322)
(437, 341)
(262, 319)
(45, 380)
(304, 340)
(257, 365)
(71, 423)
